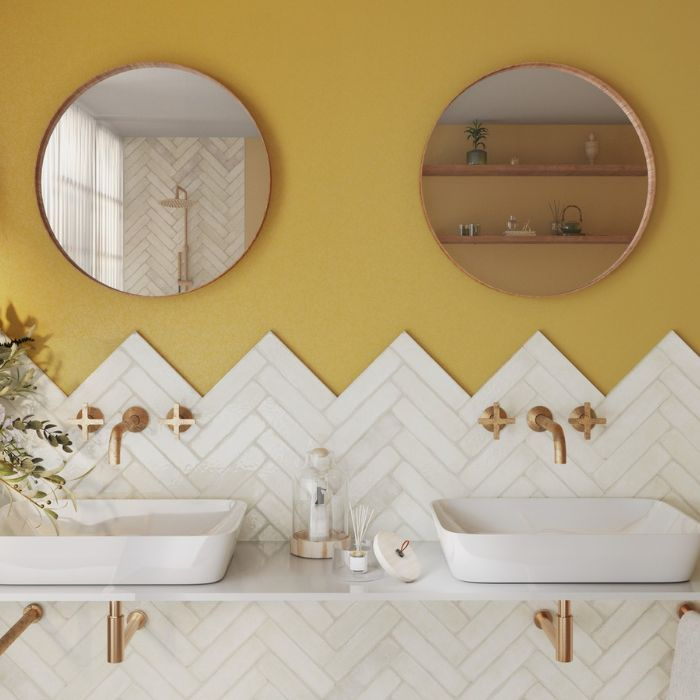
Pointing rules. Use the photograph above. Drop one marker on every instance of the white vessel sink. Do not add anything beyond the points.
(120, 542)
(566, 540)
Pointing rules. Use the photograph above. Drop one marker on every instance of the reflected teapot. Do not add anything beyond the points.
(570, 227)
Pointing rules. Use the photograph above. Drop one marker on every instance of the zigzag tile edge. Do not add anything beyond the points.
(404, 431)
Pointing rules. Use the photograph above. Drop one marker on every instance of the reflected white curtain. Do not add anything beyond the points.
(81, 184)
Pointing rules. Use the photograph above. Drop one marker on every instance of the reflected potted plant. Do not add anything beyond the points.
(477, 134)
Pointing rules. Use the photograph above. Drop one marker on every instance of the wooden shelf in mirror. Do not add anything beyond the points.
(554, 169)
(539, 240)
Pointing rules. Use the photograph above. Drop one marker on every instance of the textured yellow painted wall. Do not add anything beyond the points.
(346, 95)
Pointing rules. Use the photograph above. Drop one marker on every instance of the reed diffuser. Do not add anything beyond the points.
(360, 516)
(555, 211)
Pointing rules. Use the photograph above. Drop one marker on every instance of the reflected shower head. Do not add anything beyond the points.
(177, 202)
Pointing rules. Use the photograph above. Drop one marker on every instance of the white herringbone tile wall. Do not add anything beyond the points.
(406, 433)
(212, 170)
(404, 651)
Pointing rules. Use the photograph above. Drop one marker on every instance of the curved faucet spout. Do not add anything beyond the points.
(539, 419)
(115, 444)
(134, 420)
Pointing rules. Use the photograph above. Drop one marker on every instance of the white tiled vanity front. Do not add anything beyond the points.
(407, 434)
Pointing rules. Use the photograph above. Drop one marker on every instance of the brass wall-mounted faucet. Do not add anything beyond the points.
(118, 636)
(540, 419)
(134, 420)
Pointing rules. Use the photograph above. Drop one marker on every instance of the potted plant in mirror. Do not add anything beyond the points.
(23, 475)
(477, 134)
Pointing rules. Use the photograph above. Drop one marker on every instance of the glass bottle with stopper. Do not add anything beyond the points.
(320, 507)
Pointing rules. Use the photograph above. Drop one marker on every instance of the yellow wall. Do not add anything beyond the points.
(346, 95)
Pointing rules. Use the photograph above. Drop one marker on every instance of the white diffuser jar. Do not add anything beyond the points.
(320, 519)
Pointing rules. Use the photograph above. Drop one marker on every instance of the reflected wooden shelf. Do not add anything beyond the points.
(555, 169)
(535, 240)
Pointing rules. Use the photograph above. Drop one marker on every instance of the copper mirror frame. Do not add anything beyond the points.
(648, 157)
(78, 93)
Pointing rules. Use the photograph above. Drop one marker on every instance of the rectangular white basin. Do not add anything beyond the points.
(120, 542)
(566, 540)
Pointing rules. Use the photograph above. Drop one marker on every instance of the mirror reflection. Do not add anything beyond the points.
(154, 180)
(538, 180)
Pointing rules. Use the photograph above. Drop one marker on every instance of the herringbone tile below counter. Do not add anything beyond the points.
(474, 651)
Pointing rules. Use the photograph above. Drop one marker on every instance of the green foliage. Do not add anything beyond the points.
(477, 133)
(21, 474)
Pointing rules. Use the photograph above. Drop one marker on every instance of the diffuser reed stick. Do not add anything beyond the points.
(361, 517)
(555, 211)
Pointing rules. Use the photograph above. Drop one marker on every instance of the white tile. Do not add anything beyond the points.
(562, 369)
(682, 388)
(496, 387)
(284, 423)
(295, 658)
(363, 387)
(98, 383)
(416, 391)
(425, 366)
(554, 395)
(429, 434)
(216, 422)
(231, 383)
(644, 469)
(505, 473)
(425, 654)
(159, 370)
(643, 439)
(633, 384)
(380, 466)
(681, 355)
(295, 371)
(237, 441)
(294, 401)
(360, 422)
(636, 412)
(629, 643)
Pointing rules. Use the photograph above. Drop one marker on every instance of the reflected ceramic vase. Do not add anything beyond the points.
(476, 157)
(592, 148)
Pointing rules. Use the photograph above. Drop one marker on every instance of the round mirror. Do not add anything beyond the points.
(538, 180)
(153, 179)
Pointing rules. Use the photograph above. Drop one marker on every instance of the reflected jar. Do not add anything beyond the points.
(320, 517)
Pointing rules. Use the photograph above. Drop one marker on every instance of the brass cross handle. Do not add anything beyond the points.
(495, 419)
(584, 419)
(179, 419)
(89, 419)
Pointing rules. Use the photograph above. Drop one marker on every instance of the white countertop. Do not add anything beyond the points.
(265, 571)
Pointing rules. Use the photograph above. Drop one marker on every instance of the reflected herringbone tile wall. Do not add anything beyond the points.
(475, 651)
(212, 170)
(406, 433)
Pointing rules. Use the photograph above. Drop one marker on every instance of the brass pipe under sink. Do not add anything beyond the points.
(540, 419)
(31, 614)
(118, 636)
(560, 632)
